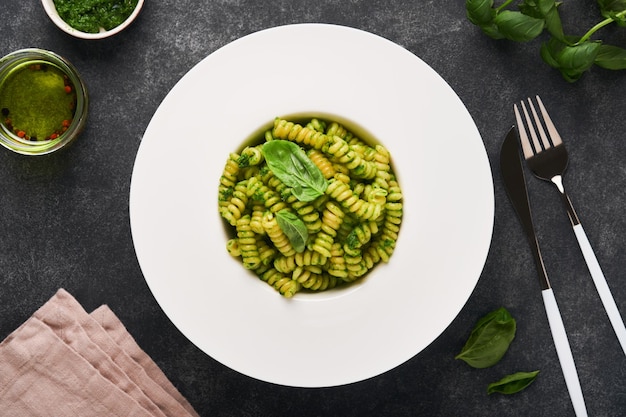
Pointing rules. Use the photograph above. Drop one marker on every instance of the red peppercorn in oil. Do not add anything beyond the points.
(37, 101)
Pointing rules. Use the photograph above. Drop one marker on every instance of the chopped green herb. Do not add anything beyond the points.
(91, 15)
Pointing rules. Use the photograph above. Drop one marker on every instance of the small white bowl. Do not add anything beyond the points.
(51, 10)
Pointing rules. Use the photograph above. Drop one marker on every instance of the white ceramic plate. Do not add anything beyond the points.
(342, 336)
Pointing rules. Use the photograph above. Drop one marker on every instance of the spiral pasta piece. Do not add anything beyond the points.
(232, 246)
(250, 156)
(309, 215)
(337, 265)
(336, 129)
(284, 129)
(275, 233)
(343, 153)
(322, 162)
(262, 193)
(231, 171)
(342, 193)
(283, 284)
(341, 234)
(285, 264)
(331, 221)
(257, 216)
(236, 206)
(361, 235)
(375, 195)
(284, 192)
(314, 280)
(247, 244)
(317, 124)
(267, 253)
(310, 258)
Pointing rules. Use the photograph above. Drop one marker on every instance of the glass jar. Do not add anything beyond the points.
(43, 102)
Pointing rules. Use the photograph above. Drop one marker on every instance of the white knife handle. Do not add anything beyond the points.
(564, 352)
(601, 285)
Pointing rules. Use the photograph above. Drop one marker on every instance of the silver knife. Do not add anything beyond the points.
(515, 185)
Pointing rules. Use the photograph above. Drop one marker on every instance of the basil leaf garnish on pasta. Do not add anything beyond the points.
(513, 383)
(294, 229)
(293, 167)
(489, 340)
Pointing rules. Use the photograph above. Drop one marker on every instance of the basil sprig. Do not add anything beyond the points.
(489, 340)
(571, 55)
(513, 383)
(294, 229)
(294, 168)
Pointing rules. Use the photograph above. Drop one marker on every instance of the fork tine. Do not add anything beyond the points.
(542, 133)
(531, 129)
(526, 142)
(526, 148)
(554, 134)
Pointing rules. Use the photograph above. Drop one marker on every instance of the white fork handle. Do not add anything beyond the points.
(564, 352)
(603, 288)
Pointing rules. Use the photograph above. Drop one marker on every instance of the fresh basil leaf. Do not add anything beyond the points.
(294, 168)
(580, 57)
(611, 57)
(612, 5)
(553, 24)
(294, 229)
(547, 57)
(613, 9)
(571, 60)
(491, 30)
(513, 383)
(489, 340)
(480, 12)
(546, 10)
(538, 8)
(517, 26)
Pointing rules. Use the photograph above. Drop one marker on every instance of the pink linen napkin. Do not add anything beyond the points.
(65, 362)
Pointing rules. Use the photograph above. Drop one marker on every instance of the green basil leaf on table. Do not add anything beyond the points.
(517, 26)
(489, 340)
(294, 168)
(294, 229)
(546, 10)
(554, 24)
(480, 12)
(513, 383)
(611, 57)
(613, 9)
(537, 8)
(571, 60)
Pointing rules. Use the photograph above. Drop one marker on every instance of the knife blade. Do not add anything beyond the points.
(515, 185)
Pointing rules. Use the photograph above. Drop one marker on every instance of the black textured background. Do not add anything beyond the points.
(64, 218)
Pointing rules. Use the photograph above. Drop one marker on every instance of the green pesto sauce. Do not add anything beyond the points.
(37, 101)
(91, 15)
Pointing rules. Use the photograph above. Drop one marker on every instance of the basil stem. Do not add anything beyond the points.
(513, 383)
(294, 229)
(292, 166)
(489, 340)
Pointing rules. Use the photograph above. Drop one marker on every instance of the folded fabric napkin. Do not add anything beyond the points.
(65, 362)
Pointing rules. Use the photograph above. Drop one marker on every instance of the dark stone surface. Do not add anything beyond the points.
(64, 218)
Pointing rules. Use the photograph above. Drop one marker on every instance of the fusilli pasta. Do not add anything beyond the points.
(340, 234)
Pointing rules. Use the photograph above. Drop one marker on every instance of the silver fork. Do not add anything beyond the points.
(548, 159)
